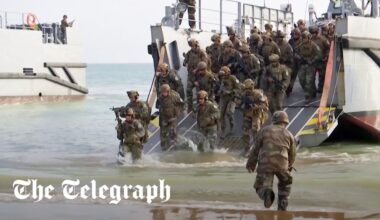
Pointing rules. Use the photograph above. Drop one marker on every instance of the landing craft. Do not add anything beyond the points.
(350, 100)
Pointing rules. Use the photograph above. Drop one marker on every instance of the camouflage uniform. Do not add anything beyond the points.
(249, 66)
(133, 133)
(232, 36)
(206, 81)
(294, 42)
(255, 43)
(229, 89)
(278, 79)
(286, 50)
(170, 107)
(208, 116)
(274, 152)
(255, 113)
(141, 111)
(170, 77)
(308, 55)
(191, 12)
(214, 51)
(324, 46)
(192, 58)
(268, 48)
(230, 57)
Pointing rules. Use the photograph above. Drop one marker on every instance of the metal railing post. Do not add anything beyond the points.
(239, 19)
(375, 8)
(1, 22)
(6, 20)
(221, 16)
(200, 15)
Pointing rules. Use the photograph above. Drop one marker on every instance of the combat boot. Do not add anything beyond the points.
(282, 203)
(268, 198)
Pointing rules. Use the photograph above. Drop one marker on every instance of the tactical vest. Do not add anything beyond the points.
(168, 108)
(130, 131)
(209, 111)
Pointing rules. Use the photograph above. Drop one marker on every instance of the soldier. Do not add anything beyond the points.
(294, 42)
(325, 31)
(308, 54)
(141, 111)
(205, 80)
(301, 25)
(255, 43)
(208, 116)
(229, 90)
(171, 105)
(324, 46)
(166, 76)
(275, 153)
(192, 58)
(249, 66)
(230, 57)
(286, 50)
(331, 32)
(255, 113)
(278, 80)
(214, 51)
(268, 48)
(269, 30)
(190, 11)
(133, 133)
(232, 36)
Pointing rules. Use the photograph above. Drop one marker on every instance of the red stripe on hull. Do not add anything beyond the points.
(369, 121)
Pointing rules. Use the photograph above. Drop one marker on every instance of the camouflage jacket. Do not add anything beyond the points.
(231, 60)
(308, 53)
(229, 87)
(255, 47)
(208, 115)
(255, 103)
(275, 150)
(192, 58)
(324, 46)
(286, 57)
(268, 49)
(141, 110)
(133, 132)
(278, 78)
(250, 67)
(207, 83)
(214, 52)
(189, 2)
(170, 106)
(173, 80)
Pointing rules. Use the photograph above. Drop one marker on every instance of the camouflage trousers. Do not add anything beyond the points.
(227, 108)
(293, 76)
(251, 126)
(168, 133)
(276, 100)
(189, 91)
(321, 69)
(134, 148)
(211, 135)
(306, 75)
(264, 181)
(191, 12)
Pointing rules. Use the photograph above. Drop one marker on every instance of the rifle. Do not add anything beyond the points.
(119, 125)
(277, 84)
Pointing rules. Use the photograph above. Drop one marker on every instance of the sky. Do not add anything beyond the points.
(118, 31)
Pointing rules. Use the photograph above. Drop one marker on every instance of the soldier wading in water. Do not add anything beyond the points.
(275, 153)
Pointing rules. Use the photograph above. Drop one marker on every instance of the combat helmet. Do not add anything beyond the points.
(274, 58)
(225, 70)
(202, 95)
(249, 84)
(165, 88)
(280, 34)
(192, 42)
(280, 117)
(133, 94)
(245, 49)
(305, 34)
(228, 43)
(215, 37)
(164, 67)
(313, 29)
(202, 65)
(255, 37)
(268, 26)
(130, 112)
(231, 31)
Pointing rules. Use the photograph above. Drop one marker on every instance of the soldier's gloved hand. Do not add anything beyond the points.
(250, 166)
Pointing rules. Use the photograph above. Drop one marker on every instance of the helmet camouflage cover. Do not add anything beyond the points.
(280, 117)
(165, 88)
(249, 84)
(132, 94)
(202, 94)
(274, 58)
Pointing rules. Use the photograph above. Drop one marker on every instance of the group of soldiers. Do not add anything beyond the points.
(253, 75)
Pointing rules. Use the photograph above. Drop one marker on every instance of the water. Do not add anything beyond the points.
(53, 141)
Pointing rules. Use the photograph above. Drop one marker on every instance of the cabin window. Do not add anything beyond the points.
(174, 54)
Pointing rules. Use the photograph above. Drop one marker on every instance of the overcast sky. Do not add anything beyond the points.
(118, 31)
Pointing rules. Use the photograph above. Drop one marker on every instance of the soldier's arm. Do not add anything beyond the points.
(292, 150)
(253, 156)
(286, 77)
(140, 131)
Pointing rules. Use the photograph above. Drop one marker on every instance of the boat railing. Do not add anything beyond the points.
(51, 32)
(216, 15)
